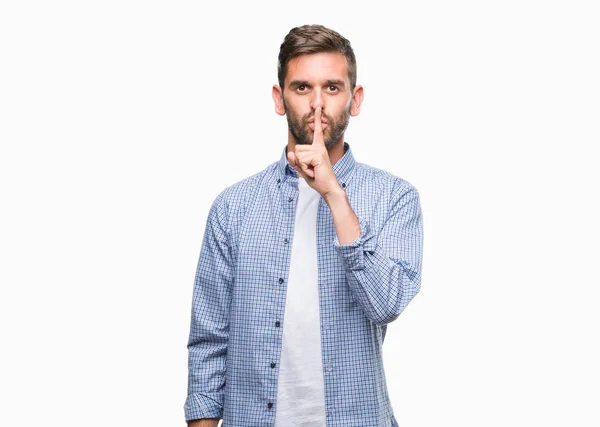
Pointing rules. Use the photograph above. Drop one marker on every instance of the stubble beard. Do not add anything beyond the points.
(303, 134)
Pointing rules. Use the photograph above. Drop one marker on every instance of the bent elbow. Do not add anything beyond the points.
(396, 305)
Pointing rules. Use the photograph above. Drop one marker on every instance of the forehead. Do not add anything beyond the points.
(318, 67)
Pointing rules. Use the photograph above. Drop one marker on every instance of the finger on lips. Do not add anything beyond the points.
(318, 125)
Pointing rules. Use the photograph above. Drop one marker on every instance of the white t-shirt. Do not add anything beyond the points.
(301, 390)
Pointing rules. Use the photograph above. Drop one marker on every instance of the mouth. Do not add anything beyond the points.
(323, 125)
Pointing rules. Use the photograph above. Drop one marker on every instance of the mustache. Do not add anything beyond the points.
(324, 116)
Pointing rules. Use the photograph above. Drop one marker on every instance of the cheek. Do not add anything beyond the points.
(298, 106)
(341, 108)
(340, 116)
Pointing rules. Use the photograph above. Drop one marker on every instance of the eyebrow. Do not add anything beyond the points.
(337, 83)
(296, 83)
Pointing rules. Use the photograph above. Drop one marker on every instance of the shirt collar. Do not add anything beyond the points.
(342, 168)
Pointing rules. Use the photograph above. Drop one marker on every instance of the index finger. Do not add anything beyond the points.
(318, 137)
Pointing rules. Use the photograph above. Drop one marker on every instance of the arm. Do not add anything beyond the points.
(212, 422)
(383, 271)
(209, 328)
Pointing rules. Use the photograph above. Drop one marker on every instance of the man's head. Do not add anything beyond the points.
(314, 39)
(316, 67)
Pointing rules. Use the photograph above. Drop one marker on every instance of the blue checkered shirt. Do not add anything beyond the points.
(239, 295)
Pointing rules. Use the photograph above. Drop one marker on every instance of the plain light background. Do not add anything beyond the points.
(121, 121)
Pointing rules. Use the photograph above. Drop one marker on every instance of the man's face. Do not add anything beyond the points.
(315, 80)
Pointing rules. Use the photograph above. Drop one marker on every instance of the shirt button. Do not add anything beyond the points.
(272, 365)
(286, 241)
(277, 324)
(290, 199)
(343, 185)
(278, 181)
(280, 280)
(269, 405)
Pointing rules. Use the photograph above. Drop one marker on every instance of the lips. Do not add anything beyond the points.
(312, 124)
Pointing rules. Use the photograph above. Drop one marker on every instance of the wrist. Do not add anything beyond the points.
(335, 196)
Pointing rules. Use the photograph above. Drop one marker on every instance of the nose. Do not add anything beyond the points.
(318, 100)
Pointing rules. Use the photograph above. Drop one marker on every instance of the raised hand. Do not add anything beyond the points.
(312, 161)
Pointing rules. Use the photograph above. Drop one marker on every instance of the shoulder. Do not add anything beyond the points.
(234, 198)
(384, 181)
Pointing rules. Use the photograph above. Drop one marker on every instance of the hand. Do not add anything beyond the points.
(312, 162)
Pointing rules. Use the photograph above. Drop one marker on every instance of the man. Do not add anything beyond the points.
(303, 265)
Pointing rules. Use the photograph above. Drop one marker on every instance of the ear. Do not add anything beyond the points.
(357, 99)
(278, 100)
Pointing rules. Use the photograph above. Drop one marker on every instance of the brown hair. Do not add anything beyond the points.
(309, 39)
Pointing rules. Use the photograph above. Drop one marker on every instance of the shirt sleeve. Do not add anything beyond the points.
(384, 270)
(209, 328)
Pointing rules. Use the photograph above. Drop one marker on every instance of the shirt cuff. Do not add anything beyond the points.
(198, 406)
(353, 253)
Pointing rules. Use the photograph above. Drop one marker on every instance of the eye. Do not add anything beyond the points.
(333, 88)
(301, 88)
